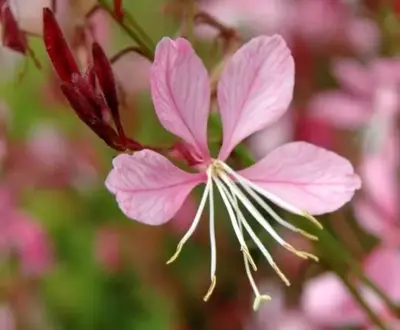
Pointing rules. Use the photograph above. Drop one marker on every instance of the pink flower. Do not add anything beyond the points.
(340, 309)
(378, 209)
(255, 90)
(23, 235)
(369, 94)
(277, 316)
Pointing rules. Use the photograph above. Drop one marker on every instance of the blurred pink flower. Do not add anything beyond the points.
(24, 236)
(340, 309)
(254, 91)
(7, 319)
(318, 22)
(271, 137)
(369, 94)
(50, 154)
(377, 209)
(276, 316)
(370, 100)
(29, 14)
(108, 249)
(123, 68)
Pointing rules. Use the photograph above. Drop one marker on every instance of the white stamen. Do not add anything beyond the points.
(259, 244)
(232, 216)
(259, 297)
(257, 215)
(195, 222)
(212, 234)
(275, 215)
(263, 192)
(213, 245)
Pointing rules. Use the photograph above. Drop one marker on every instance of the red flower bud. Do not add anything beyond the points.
(57, 47)
(12, 36)
(87, 114)
(105, 76)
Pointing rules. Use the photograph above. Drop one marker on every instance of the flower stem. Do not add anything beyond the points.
(137, 34)
(357, 296)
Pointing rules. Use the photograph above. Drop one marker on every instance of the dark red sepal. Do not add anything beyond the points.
(57, 48)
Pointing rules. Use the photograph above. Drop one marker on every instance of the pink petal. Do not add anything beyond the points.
(340, 109)
(377, 221)
(181, 92)
(308, 177)
(353, 76)
(387, 259)
(148, 187)
(271, 137)
(255, 89)
(364, 35)
(338, 309)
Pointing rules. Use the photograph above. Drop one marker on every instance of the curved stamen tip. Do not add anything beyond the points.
(307, 235)
(301, 254)
(310, 256)
(211, 288)
(313, 220)
(259, 300)
(176, 254)
(280, 274)
(249, 258)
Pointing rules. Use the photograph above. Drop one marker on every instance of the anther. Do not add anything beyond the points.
(247, 255)
(293, 250)
(310, 256)
(280, 274)
(312, 219)
(211, 288)
(259, 300)
(307, 235)
(176, 254)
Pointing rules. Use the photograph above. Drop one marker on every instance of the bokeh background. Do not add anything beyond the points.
(69, 259)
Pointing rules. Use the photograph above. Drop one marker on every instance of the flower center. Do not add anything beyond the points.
(237, 193)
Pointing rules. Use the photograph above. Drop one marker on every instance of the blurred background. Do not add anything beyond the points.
(69, 259)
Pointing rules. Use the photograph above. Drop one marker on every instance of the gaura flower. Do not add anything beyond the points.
(255, 90)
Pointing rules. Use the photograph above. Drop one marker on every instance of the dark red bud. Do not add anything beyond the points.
(86, 113)
(83, 86)
(118, 9)
(12, 36)
(57, 47)
(105, 76)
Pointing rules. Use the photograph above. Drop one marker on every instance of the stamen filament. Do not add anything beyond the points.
(277, 200)
(256, 240)
(213, 245)
(257, 215)
(275, 215)
(195, 222)
(223, 192)
(211, 288)
(308, 216)
(259, 297)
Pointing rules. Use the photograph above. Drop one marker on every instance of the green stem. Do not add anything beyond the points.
(190, 20)
(133, 34)
(356, 295)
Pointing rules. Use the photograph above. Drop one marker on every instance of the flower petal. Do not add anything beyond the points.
(341, 109)
(308, 177)
(338, 310)
(388, 259)
(148, 187)
(181, 92)
(255, 89)
(354, 77)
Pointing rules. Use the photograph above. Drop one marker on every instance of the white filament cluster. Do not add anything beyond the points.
(231, 186)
